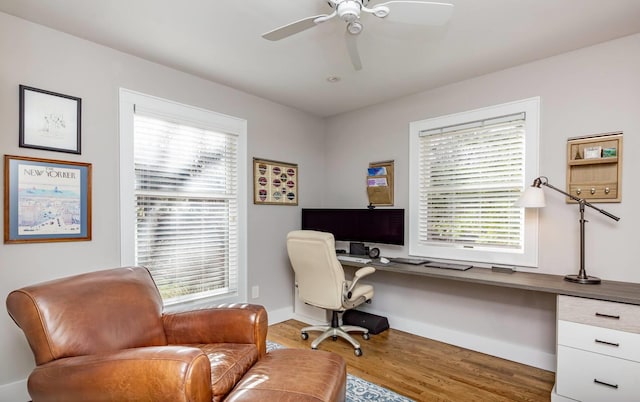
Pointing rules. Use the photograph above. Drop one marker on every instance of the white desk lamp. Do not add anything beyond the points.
(533, 197)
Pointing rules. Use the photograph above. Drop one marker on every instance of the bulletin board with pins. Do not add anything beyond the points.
(380, 183)
(274, 183)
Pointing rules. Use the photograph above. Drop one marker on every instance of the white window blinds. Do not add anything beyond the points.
(186, 201)
(470, 176)
(466, 171)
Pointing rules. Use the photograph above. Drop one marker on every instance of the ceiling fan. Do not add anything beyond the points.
(403, 11)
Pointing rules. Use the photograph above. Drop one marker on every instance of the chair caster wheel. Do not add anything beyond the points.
(358, 352)
(304, 336)
(366, 336)
(335, 338)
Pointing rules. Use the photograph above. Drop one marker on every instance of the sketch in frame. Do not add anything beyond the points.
(46, 200)
(49, 120)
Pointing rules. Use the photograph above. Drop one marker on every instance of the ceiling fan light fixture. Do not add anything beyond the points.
(349, 10)
(354, 27)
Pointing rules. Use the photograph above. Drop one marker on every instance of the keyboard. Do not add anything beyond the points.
(361, 260)
(409, 260)
(457, 267)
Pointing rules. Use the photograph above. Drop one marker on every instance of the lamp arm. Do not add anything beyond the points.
(582, 276)
(580, 200)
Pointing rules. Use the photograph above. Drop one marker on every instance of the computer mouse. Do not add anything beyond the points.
(384, 260)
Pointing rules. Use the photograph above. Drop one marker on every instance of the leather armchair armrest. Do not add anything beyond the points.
(158, 373)
(231, 323)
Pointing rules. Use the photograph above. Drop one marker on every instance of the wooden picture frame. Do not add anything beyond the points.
(46, 200)
(274, 182)
(49, 120)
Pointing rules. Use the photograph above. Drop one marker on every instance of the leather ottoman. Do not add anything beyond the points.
(299, 375)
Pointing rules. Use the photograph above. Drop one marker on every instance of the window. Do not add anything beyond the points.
(467, 170)
(182, 198)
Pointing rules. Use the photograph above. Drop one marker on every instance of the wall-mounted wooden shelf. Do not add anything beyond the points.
(580, 162)
(594, 167)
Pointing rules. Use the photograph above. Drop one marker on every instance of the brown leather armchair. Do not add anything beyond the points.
(103, 336)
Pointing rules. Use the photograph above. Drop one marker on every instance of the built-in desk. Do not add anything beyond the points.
(622, 292)
(597, 326)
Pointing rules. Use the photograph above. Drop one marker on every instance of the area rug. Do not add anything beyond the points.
(359, 390)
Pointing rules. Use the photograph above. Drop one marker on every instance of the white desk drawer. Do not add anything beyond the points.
(587, 376)
(605, 341)
(619, 316)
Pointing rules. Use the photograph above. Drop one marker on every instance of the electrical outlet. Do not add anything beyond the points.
(255, 292)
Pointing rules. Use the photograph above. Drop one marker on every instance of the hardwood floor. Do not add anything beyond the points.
(427, 370)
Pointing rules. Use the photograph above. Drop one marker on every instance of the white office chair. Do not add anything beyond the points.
(321, 282)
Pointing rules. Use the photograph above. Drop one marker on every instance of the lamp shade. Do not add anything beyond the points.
(532, 197)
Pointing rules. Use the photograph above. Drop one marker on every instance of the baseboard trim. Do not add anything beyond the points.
(308, 320)
(14, 391)
(279, 315)
(493, 347)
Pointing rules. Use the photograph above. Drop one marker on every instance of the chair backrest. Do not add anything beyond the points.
(319, 274)
(92, 313)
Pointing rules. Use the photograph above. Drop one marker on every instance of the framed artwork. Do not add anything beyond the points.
(46, 200)
(275, 183)
(49, 120)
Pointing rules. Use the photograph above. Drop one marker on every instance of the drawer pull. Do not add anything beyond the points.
(605, 383)
(607, 343)
(615, 317)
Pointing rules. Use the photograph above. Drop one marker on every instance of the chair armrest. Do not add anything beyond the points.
(230, 323)
(158, 373)
(360, 273)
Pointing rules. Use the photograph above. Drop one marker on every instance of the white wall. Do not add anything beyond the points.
(37, 56)
(593, 90)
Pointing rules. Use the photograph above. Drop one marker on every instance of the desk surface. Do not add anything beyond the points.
(623, 292)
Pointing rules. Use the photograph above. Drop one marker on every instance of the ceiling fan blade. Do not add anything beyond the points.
(352, 48)
(418, 12)
(295, 27)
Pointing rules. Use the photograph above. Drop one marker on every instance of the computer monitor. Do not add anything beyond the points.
(383, 226)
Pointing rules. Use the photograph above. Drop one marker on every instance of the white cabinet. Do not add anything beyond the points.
(598, 350)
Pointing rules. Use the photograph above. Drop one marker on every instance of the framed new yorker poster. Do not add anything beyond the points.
(49, 120)
(46, 200)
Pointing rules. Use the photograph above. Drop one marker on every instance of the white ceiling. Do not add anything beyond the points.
(220, 40)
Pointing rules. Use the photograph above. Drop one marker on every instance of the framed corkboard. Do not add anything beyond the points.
(380, 183)
(274, 182)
